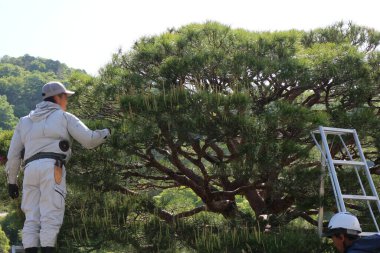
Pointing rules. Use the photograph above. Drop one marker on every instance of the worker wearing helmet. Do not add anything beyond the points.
(43, 139)
(344, 229)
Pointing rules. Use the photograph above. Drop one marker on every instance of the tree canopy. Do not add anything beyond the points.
(228, 112)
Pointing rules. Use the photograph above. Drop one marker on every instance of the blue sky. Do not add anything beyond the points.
(85, 33)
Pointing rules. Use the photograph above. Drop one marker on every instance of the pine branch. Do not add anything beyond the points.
(163, 214)
(183, 180)
(171, 218)
(129, 174)
(196, 162)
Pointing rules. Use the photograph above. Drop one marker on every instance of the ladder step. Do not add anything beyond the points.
(348, 162)
(360, 197)
(337, 131)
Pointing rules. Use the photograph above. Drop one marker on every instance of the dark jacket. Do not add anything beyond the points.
(368, 244)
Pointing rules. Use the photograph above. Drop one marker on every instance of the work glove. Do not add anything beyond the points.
(13, 191)
(109, 130)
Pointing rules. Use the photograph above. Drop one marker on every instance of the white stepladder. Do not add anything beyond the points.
(359, 165)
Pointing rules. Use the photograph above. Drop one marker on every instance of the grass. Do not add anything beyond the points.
(105, 223)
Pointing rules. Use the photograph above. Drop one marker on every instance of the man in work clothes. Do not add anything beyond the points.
(344, 229)
(45, 136)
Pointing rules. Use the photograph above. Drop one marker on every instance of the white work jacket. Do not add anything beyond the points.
(42, 130)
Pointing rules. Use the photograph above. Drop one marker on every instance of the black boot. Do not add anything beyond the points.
(31, 250)
(47, 249)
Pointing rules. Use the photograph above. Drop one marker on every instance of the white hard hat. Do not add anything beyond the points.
(343, 222)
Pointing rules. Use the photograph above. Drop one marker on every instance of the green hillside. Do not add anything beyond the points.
(21, 80)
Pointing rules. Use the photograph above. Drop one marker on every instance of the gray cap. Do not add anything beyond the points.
(55, 88)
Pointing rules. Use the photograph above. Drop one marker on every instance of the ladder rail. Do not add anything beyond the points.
(334, 177)
(368, 175)
(323, 154)
(361, 184)
(321, 195)
(321, 186)
(372, 186)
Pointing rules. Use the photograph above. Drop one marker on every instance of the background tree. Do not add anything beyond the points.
(21, 79)
(7, 118)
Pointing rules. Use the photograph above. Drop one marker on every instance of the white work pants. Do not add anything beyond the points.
(43, 202)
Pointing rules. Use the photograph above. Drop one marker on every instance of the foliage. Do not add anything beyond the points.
(227, 112)
(14, 66)
(21, 79)
(4, 242)
(177, 199)
(5, 140)
(95, 221)
(12, 224)
(98, 222)
(7, 119)
(4, 198)
(243, 239)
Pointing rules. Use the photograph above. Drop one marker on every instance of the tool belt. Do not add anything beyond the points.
(58, 157)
